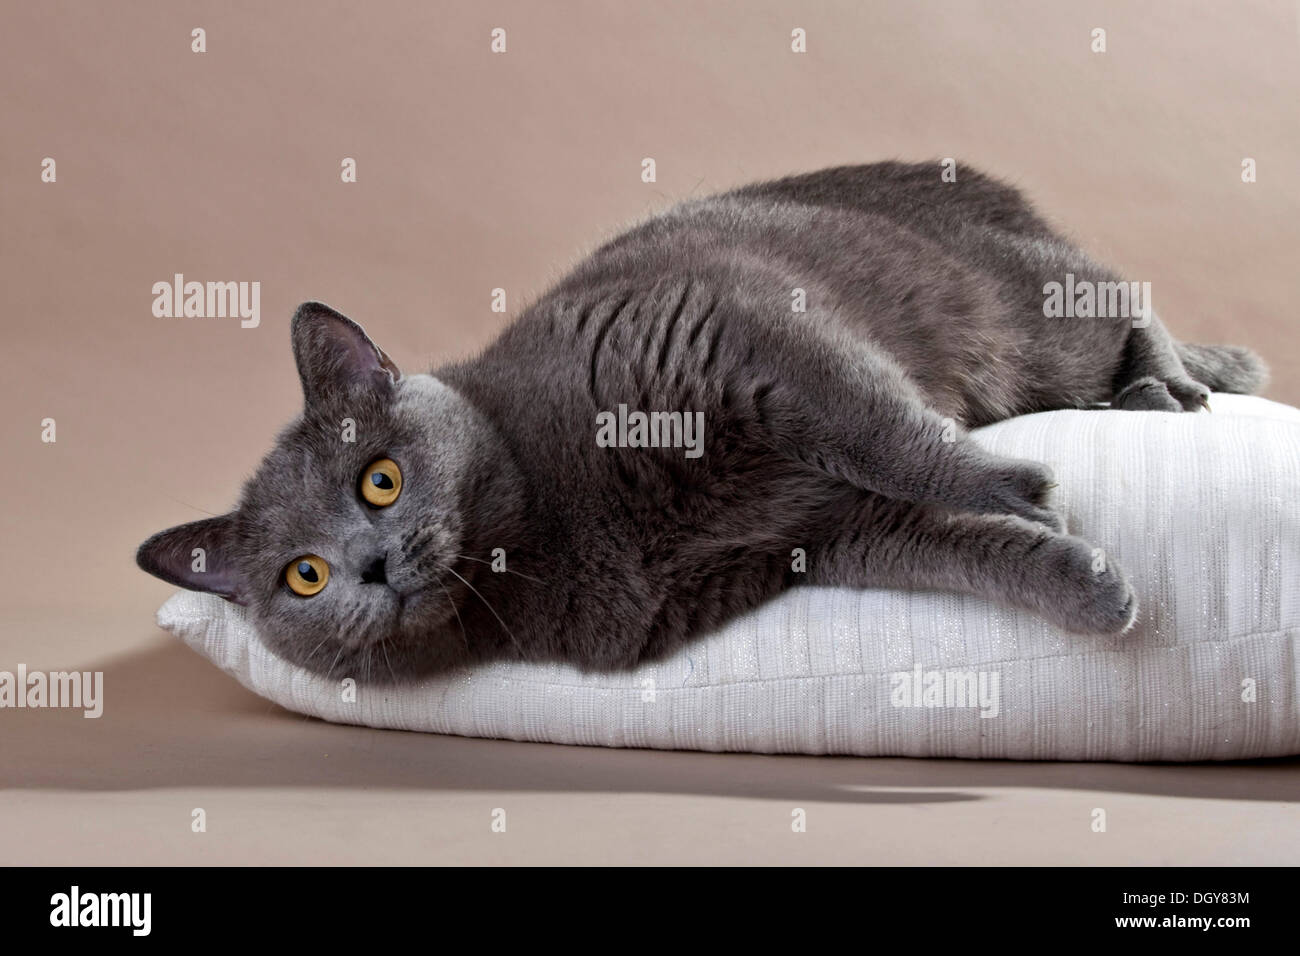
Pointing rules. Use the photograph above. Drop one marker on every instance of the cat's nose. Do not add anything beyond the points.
(375, 572)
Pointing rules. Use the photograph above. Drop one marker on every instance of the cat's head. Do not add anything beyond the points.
(345, 543)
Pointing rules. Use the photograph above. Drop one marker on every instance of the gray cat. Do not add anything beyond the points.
(479, 513)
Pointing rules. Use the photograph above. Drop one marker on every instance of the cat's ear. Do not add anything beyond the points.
(196, 556)
(334, 354)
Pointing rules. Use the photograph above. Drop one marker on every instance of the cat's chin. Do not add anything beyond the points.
(400, 636)
(422, 613)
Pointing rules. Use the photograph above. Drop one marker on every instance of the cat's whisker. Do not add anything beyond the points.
(489, 607)
(464, 637)
(330, 673)
(518, 574)
(312, 655)
(195, 507)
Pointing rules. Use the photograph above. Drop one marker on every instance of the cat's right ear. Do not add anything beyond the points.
(334, 354)
(197, 556)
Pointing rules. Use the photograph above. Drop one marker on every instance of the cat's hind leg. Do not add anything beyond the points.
(1152, 376)
(855, 416)
(871, 541)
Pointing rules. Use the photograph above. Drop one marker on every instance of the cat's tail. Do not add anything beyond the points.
(1224, 368)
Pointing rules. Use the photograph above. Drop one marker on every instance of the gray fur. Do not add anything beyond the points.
(1224, 368)
(840, 431)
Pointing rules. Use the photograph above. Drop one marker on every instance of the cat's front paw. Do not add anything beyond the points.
(1086, 592)
(1024, 489)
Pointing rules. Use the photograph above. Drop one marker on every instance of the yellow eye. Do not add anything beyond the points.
(381, 482)
(307, 575)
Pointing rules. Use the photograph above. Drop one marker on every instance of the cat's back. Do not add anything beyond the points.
(875, 205)
(916, 195)
(945, 277)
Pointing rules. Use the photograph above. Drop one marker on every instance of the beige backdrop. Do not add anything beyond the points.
(479, 170)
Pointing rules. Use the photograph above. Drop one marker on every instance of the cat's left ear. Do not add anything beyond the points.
(334, 354)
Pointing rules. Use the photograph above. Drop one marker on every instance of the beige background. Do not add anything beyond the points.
(477, 171)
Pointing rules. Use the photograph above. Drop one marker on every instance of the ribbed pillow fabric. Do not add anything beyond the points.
(1200, 509)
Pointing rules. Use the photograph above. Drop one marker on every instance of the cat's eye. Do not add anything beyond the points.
(381, 482)
(307, 575)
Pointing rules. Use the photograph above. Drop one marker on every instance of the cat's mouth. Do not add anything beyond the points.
(401, 600)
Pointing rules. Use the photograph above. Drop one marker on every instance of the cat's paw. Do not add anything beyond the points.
(1085, 591)
(1024, 489)
(1178, 394)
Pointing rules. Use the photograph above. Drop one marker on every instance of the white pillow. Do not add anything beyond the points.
(1200, 509)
